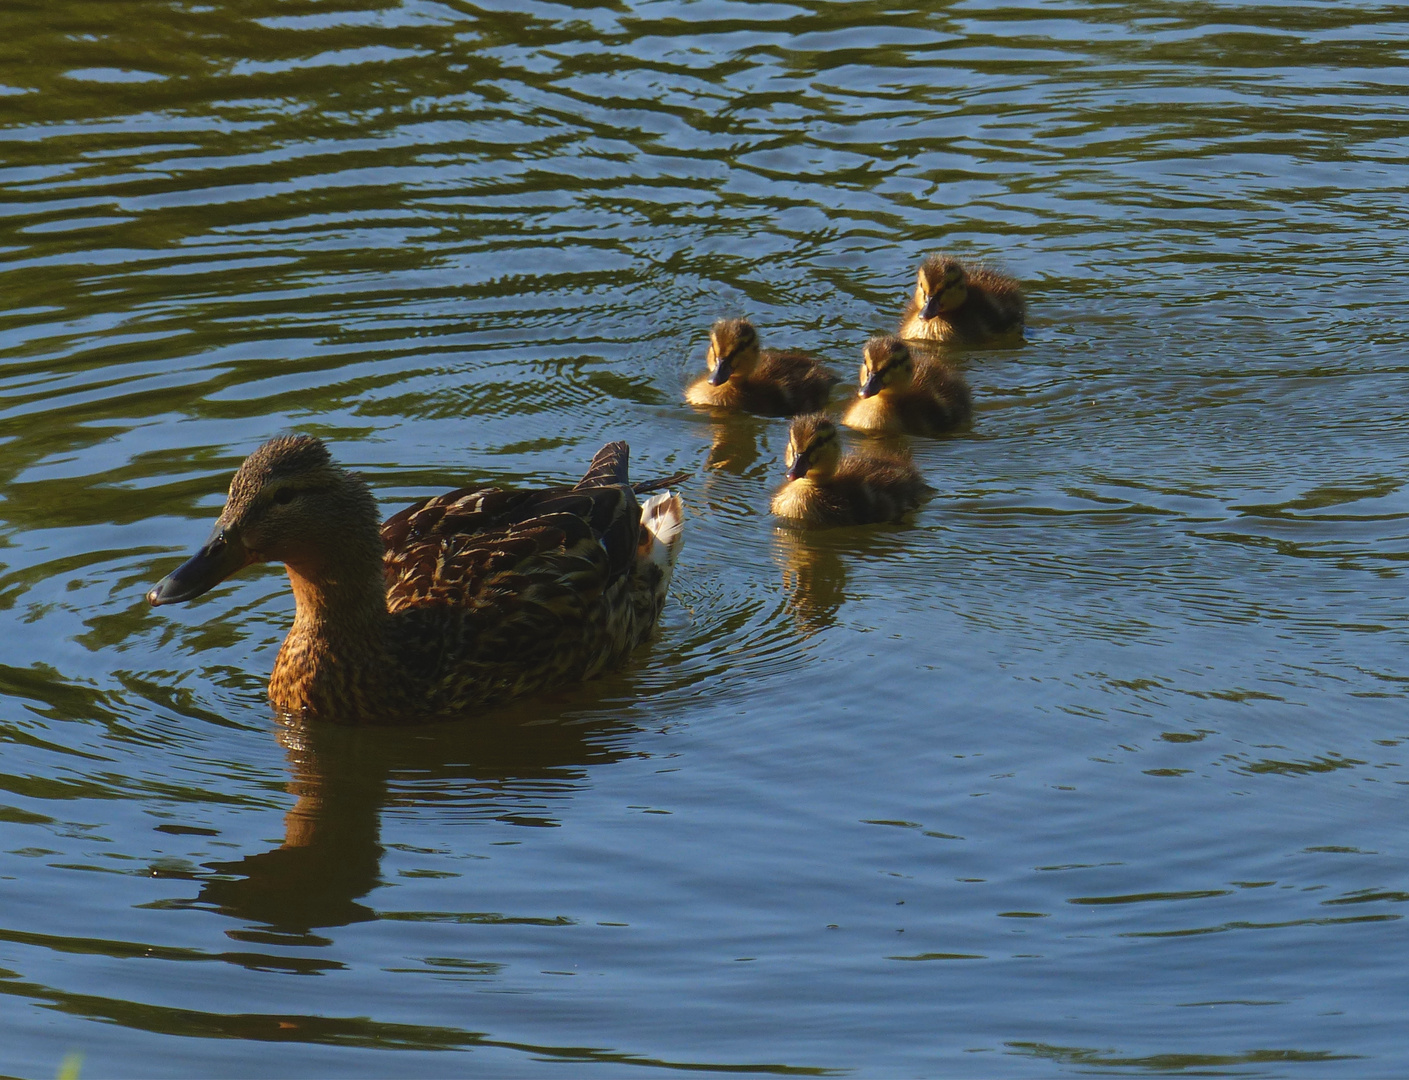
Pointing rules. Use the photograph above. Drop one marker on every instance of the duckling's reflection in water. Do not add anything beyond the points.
(342, 778)
(734, 441)
(814, 578)
(814, 568)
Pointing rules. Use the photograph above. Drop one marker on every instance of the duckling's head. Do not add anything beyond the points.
(813, 447)
(733, 349)
(886, 365)
(941, 287)
(291, 503)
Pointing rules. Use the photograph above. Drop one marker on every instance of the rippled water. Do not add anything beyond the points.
(1093, 767)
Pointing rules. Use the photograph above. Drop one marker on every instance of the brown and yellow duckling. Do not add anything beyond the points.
(467, 598)
(767, 382)
(824, 488)
(900, 396)
(955, 304)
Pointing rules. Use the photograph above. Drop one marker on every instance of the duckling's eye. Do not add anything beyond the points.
(285, 495)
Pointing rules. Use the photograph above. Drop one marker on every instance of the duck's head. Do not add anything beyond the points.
(733, 349)
(813, 447)
(291, 503)
(942, 286)
(886, 365)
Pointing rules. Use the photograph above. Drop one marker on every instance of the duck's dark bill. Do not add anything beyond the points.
(200, 573)
(799, 468)
(872, 387)
(932, 307)
(720, 375)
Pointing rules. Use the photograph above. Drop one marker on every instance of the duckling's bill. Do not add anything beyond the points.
(800, 467)
(720, 375)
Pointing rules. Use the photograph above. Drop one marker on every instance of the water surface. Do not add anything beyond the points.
(1091, 767)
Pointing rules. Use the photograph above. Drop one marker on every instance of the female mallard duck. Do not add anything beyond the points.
(824, 488)
(470, 597)
(955, 304)
(769, 382)
(896, 396)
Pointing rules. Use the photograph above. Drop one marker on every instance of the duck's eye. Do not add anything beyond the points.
(285, 495)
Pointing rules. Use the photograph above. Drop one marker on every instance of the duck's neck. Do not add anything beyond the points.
(343, 610)
(335, 656)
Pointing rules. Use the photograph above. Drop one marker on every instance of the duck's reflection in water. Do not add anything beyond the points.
(734, 439)
(342, 778)
(814, 578)
(814, 565)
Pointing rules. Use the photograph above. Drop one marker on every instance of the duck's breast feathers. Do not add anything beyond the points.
(813, 505)
(703, 392)
(872, 414)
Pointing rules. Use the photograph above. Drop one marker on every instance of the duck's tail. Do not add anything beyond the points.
(662, 531)
(609, 465)
(644, 486)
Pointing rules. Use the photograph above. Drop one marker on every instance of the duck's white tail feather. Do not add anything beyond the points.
(662, 531)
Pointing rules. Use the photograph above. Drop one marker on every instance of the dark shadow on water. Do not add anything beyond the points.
(348, 1032)
(1234, 1064)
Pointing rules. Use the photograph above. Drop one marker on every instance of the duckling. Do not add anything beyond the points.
(955, 304)
(897, 396)
(824, 488)
(459, 600)
(770, 382)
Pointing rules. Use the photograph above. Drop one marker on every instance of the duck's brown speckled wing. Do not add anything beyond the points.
(492, 548)
(500, 592)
